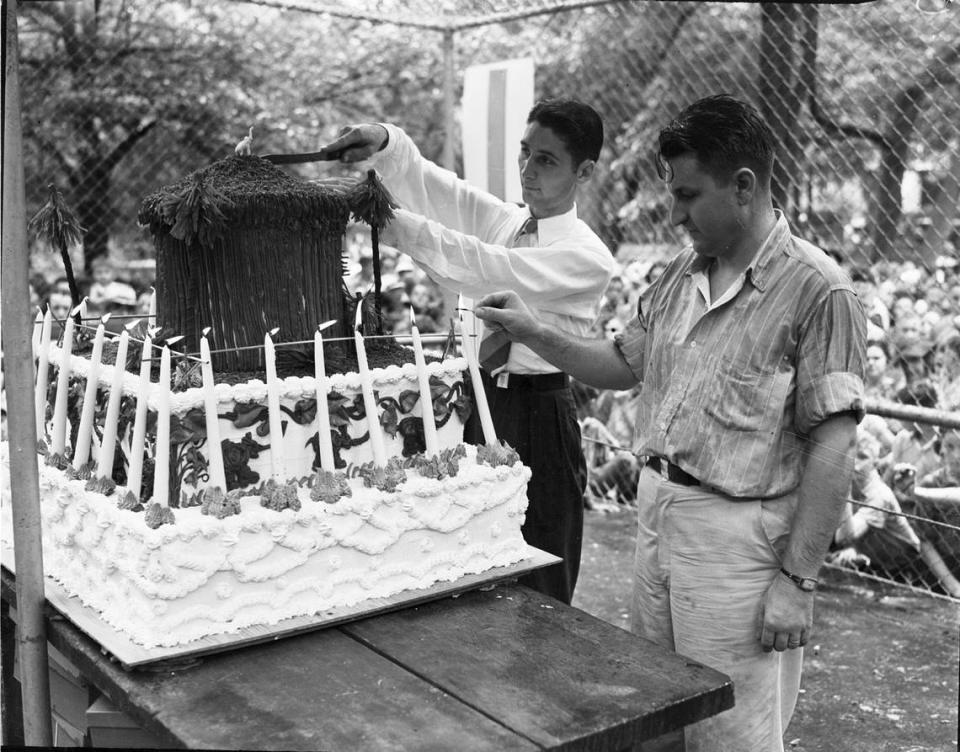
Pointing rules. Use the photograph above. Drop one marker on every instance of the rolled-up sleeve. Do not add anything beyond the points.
(830, 366)
(632, 343)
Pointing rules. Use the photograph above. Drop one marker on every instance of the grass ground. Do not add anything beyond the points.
(880, 675)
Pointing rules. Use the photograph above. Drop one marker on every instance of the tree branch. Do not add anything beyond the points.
(124, 147)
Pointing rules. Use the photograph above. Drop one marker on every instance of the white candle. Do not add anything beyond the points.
(161, 468)
(480, 396)
(323, 409)
(135, 469)
(58, 440)
(81, 453)
(218, 476)
(426, 398)
(273, 410)
(152, 311)
(108, 444)
(36, 334)
(369, 400)
(43, 370)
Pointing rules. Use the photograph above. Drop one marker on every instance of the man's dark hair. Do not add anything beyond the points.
(577, 124)
(723, 133)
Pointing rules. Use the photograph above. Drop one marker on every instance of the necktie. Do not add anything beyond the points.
(495, 346)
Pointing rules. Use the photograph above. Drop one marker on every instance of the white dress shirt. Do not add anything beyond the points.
(462, 237)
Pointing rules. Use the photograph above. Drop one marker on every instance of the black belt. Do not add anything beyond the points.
(537, 382)
(674, 474)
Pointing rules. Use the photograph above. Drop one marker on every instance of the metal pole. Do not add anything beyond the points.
(888, 409)
(448, 104)
(21, 429)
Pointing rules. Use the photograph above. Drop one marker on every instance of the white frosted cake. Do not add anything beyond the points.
(204, 576)
(184, 506)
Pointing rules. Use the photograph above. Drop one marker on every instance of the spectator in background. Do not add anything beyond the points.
(946, 369)
(906, 329)
(865, 285)
(873, 535)
(60, 304)
(108, 294)
(361, 278)
(915, 359)
(879, 383)
(948, 474)
(913, 453)
(427, 307)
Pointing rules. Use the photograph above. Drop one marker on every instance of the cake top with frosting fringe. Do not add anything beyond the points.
(241, 191)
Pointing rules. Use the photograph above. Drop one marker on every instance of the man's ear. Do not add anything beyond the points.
(745, 183)
(585, 170)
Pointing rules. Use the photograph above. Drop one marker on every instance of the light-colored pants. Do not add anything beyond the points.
(703, 563)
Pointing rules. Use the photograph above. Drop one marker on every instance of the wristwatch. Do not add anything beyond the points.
(806, 584)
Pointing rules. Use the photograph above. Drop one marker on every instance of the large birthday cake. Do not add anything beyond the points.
(187, 494)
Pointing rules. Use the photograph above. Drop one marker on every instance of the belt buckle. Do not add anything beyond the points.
(503, 380)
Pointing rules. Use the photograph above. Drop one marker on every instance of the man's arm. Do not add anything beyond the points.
(596, 362)
(786, 611)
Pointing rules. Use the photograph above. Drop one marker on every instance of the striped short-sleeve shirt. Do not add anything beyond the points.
(731, 392)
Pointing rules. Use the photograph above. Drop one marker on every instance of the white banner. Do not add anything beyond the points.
(497, 98)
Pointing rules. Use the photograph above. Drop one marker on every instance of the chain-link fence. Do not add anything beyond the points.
(121, 96)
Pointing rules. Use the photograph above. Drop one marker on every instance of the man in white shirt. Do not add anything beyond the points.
(470, 241)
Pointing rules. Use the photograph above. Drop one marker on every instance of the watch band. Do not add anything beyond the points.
(807, 584)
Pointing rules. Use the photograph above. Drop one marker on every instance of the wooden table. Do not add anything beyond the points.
(498, 669)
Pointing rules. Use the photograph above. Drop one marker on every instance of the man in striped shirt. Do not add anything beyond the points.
(750, 350)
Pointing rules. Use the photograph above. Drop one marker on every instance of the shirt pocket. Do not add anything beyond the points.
(745, 398)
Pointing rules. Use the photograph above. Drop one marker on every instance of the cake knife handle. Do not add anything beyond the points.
(310, 156)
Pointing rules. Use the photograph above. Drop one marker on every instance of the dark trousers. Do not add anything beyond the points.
(542, 426)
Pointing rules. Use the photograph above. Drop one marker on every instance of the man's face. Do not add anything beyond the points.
(876, 362)
(950, 453)
(864, 462)
(707, 210)
(907, 328)
(102, 274)
(547, 173)
(59, 305)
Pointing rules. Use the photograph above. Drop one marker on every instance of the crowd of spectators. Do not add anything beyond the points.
(123, 293)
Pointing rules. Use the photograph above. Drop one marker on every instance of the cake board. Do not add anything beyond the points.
(131, 655)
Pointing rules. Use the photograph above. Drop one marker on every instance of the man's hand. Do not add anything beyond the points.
(504, 311)
(357, 142)
(904, 482)
(786, 616)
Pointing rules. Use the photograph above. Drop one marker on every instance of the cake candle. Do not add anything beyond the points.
(273, 409)
(43, 371)
(426, 398)
(479, 395)
(161, 469)
(135, 468)
(323, 408)
(218, 476)
(369, 400)
(36, 334)
(108, 444)
(81, 452)
(58, 441)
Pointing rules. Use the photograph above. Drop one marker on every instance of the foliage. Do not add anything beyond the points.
(122, 96)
